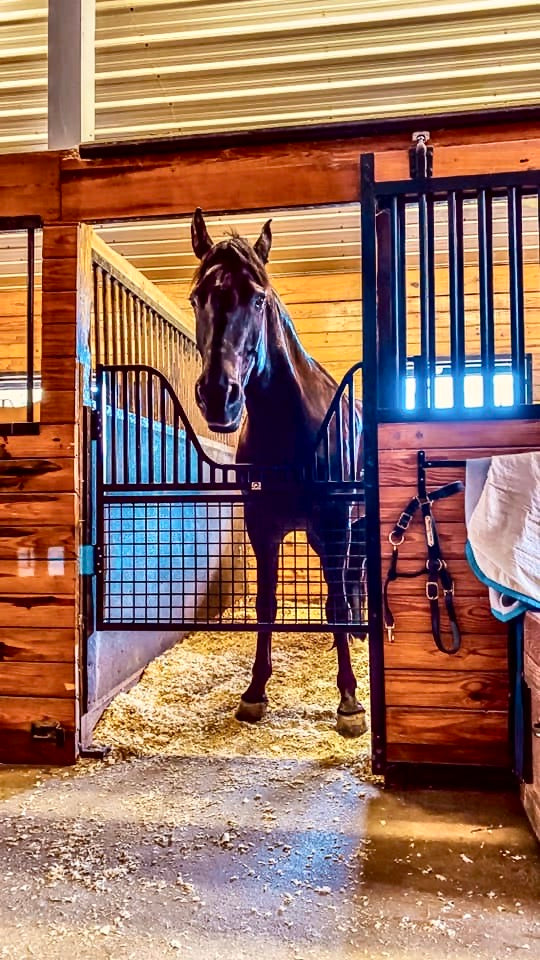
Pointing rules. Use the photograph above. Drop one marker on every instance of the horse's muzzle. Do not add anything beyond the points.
(221, 404)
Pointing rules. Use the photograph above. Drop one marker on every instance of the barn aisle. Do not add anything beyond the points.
(203, 839)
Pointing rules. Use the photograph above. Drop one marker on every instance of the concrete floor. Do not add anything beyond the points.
(210, 858)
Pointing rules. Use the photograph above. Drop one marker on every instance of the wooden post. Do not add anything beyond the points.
(71, 90)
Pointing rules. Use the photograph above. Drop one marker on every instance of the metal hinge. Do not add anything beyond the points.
(87, 560)
(52, 732)
(95, 425)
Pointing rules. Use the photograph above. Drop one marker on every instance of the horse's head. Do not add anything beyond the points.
(229, 300)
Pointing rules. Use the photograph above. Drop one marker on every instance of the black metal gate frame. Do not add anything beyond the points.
(140, 423)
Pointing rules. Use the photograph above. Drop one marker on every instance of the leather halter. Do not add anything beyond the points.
(435, 567)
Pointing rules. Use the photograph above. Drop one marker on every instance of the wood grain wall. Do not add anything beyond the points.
(441, 708)
(39, 513)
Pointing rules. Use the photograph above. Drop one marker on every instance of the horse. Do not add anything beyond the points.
(256, 376)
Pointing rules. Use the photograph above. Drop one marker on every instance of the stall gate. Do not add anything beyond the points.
(172, 548)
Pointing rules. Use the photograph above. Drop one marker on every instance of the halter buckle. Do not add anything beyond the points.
(432, 594)
(449, 592)
(404, 520)
(393, 541)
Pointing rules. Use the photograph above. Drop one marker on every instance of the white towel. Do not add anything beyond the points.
(503, 528)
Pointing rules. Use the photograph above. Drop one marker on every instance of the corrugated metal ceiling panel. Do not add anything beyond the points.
(166, 68)
(23, 75)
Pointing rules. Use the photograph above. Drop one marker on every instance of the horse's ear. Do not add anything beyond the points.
(263, 244)
(200, 238)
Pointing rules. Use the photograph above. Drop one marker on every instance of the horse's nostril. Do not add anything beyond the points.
(198, 394)
(233, 395)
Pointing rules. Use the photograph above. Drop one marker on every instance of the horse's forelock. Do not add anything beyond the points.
(232, 253)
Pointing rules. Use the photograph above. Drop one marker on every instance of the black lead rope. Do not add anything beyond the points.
(435, 567)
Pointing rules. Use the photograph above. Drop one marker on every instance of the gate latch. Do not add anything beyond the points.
(420, 156)
(53, 732)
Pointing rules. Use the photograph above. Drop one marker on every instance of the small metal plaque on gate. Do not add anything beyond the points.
(256, 485)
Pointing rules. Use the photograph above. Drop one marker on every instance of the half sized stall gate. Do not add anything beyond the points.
(172, 548)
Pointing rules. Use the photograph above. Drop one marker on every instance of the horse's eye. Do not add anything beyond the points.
(259, 300)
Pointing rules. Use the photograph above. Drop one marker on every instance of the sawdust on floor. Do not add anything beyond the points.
(184, 703)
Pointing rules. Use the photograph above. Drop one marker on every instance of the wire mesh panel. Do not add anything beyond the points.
(187, 561)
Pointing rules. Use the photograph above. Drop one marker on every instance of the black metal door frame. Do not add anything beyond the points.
(384, 337)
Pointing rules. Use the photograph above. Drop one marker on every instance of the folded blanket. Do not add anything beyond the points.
(502, 511)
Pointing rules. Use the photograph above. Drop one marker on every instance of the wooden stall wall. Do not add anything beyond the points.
(441, 708)
(39, 509)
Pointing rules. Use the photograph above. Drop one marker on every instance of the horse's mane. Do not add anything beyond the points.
(234, 251)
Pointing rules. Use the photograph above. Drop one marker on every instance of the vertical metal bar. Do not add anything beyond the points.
(162, 405)
(352, 430)
(386, 309)
(97, 314)
(176, 430)
(30, 284)
(457, 297)
(138, 436)
(371, 464)
(399, 294)
(113, 393)
(423, 371)
(487, 315)
(429, 348)
(150, 415)
(517, 321)
(125, 426)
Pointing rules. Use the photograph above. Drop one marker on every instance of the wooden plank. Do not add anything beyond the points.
(30, 185)
(59, 307)
(397, 465)
(478, 433)
(59, 275)
(447, 736)
(37, 611)
(16, 717)
(37, 679)
(473, 615)
(60, 406)
(452, 161)
(477, 653)
(394, 499)
(51, 442)
(58, 340)
(26, 575)
(452, 537)
(487, 754)
(33, 541)
(466, 583)
(50, 645)
(35, 475)
(446, 689)
(297, 174)
(47, 509)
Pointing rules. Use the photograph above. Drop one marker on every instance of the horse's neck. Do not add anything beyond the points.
(283, 395)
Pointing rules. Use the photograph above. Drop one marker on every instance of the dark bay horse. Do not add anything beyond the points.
(253, 361)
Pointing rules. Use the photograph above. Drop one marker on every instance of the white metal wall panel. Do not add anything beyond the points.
(170, 68)
(23, 75)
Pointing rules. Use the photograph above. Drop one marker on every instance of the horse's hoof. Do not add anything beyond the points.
(351, 724)
(251, 712)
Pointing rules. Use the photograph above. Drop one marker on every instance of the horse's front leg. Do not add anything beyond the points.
(331, 540)
(265, 543)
